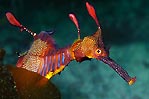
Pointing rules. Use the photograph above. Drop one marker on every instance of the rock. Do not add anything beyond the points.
(7, 85)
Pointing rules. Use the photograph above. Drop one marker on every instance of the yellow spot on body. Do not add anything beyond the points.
(132, 81)
(51, 74)
(90, 56)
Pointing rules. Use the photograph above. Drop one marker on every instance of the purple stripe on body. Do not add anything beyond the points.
(41, 69)
(46, 66)
(58, 64)
(49, 63)
(63, 58)
(53, 63)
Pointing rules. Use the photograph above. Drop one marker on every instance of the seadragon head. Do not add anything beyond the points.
(92, 47)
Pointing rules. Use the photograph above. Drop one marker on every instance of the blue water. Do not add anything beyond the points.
(125, 28)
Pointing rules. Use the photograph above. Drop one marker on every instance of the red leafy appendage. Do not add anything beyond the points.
(12, 19)
(74, 19)
(92, 13)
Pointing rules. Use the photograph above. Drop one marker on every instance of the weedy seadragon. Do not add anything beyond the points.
(45, 59)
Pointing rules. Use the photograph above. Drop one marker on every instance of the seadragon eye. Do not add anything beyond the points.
(98, 52)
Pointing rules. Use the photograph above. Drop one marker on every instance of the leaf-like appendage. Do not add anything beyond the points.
(12, 19)
(92, 13)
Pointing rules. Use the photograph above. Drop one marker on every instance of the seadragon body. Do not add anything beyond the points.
(45, 59)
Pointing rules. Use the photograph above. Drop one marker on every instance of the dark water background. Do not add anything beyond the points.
(124, 23)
